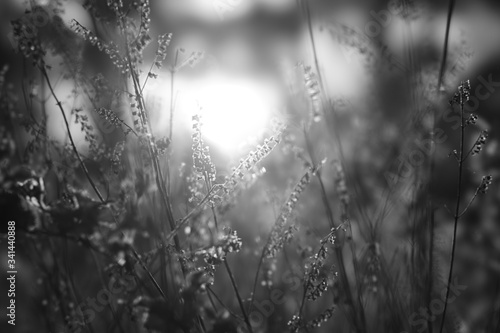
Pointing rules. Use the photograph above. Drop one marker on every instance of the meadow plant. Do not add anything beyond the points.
(126, 228)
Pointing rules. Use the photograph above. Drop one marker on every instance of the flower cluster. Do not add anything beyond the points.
(195, 188)
(110, 48)
(86, 128)
(340, 184)
(322, 318)
(356, 44)
(485, 183)
(115, 5)
(216, 254)
(316, 288)
(202, 162)
(280, 235)
(145, 15)
(227, 244)
(111, 118)
(250, 161)
(192, 60)
(28, 44)
(143, 38)
(471, 120)
(316, 283)
(162, 145)
(116, 157)
(100, 86)
(295, 323)
(313, 92)
(163, 43)
(463, 94)
(372, 266)
(480, 142)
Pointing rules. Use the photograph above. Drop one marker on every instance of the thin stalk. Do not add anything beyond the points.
(307, 282)
(152, 152)
(470, 203)
(325, 200)
(221, 303)
(431, 262)
(208, 183)
(313, 42)
(240, 302)
(432, 162)
(338, 250)
(446, 37)
(73, 145)
(172, 76)
(89, 178)
(254, 288)
(457, 209)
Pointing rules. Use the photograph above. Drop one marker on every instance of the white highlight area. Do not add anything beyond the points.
(235, 110)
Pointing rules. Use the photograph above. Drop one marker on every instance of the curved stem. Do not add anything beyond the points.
(457, 212)
(85, 170)
(469, 204)
(73, 145)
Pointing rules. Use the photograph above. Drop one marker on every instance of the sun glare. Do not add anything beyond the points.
(234, 110)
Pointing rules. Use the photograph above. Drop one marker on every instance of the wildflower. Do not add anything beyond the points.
(373, 266)
(161, 53)
(216, 254)
(201, 154)
(463, 94)
(28, 44)
(279, 235)
(313, 92)
(193, 59)
(116, 5)
(109, 48)
(471, 120)
(340, 185)
(323, 317)
(480, 142)
(86, 128)
(250, 161)
(485, 183)
(116, 157)
(162, 145)
(294, 323)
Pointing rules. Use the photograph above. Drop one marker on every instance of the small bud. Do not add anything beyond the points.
(485, 183)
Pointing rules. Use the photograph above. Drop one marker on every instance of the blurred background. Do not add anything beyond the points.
(375, 65)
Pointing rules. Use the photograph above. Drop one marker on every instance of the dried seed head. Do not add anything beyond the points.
(463, 94)
(485, 183)
(471, 120)
(480, 142)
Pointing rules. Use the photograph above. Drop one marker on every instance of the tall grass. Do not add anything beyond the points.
(130, 231)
